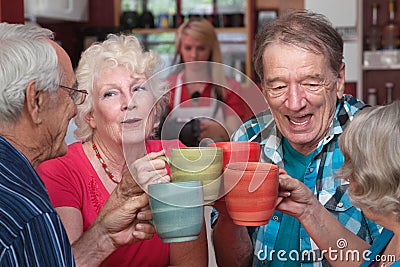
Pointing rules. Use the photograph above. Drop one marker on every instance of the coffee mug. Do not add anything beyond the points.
(238, 151)
(197, 163)
(177, 209)
(252, 192)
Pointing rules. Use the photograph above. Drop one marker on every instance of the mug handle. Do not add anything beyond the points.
(166, 159)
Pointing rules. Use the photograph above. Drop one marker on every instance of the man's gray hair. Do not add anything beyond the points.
(25, 55)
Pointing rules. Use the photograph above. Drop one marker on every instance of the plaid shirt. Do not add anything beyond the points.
(330, 191)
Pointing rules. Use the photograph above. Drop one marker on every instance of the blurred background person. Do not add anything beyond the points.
(120, 116)
(200, 89)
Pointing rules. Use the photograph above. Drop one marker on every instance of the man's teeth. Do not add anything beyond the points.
(299, 123)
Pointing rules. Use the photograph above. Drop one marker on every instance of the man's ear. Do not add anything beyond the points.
(340, 82)
(34, 102)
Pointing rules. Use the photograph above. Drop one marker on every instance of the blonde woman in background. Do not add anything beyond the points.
(200, 89)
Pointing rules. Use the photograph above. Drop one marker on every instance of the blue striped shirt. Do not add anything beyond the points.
(31, 232)
(319, 177)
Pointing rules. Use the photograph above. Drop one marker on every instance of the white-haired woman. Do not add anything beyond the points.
(115, 125)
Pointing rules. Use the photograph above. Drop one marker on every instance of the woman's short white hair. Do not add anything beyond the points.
(371, 149)
(117, 50)
(26, 55)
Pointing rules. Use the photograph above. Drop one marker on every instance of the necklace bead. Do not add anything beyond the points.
(104, 165)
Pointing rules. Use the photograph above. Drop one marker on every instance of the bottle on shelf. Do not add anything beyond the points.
(374, 35)
(391, 30)
(129, 18)
(372, 99)
(389, 92)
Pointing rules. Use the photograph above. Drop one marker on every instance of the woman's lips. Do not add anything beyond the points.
(131, 121)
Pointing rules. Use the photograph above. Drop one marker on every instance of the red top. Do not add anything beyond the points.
(71, 181)
(232, 98)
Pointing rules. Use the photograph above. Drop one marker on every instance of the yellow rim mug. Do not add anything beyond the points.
(197, 164)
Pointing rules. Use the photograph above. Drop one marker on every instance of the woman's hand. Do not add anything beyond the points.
(149, 169)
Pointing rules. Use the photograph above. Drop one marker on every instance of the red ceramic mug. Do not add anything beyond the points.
(238, 151)
(252, 192)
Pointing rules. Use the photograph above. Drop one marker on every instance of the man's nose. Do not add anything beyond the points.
(295, 96)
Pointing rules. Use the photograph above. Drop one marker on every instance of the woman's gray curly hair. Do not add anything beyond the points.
(371, 149)
(118, 50)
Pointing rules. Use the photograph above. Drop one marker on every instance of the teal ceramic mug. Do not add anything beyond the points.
(177, 209)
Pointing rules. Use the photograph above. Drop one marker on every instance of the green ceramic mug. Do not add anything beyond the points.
(198, 163)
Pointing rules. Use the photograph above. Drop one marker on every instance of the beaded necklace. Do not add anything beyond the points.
(104, 165)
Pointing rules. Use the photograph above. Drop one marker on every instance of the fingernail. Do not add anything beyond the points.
(140, 216)
(136, 234)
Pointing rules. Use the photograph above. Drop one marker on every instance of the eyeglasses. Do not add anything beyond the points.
(78, 96)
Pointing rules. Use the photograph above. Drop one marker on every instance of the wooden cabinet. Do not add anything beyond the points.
(378, 68)
(12, 11)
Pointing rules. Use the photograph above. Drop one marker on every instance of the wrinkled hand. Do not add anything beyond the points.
(294, 196)
(144, 171)
(124, 217)
(213, 130)
(127, 222)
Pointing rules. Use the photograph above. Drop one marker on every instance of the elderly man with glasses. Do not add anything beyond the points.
(78, 96)
(34, 116)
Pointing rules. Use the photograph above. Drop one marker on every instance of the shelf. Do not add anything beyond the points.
(381, 60)
(391, 67)
(246, 32)
(173, 42)
(380, 66)
(173, 30)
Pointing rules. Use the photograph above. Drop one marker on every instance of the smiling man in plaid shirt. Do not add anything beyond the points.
(299, 60)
